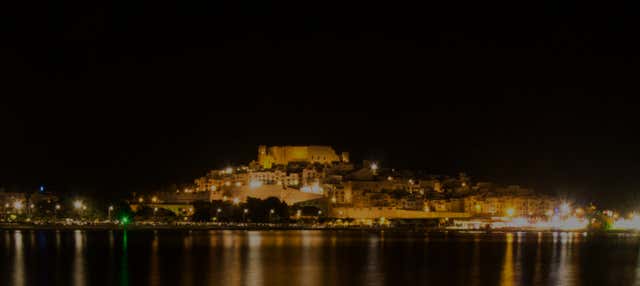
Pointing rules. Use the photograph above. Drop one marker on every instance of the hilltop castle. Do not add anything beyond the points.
(283, 155)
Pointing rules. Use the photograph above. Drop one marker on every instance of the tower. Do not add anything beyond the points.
(264, 159)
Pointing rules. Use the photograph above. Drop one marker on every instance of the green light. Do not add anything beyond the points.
(125, 220)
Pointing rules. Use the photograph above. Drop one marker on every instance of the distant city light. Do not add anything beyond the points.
(236, 201)
(255, 184)
(77, 204)
(228, 170)
(238, 184)
(510, 211)
(18, 205)
(565, 208)
(57, 207)
(374, 166)
(154, 199)
(213, 188)
(141, 200)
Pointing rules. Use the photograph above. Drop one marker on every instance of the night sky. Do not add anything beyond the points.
(122, 96)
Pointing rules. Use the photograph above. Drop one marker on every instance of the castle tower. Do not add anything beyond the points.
(264, 159)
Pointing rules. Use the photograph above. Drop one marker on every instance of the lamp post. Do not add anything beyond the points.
(77, 204)
(244, 214)
(374, 168)
(271, 212)
(55, 211)
(218, 214)
(110, 210)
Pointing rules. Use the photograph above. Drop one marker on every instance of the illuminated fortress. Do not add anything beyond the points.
(283, 155)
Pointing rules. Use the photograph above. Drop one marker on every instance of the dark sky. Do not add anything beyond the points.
(115, 96)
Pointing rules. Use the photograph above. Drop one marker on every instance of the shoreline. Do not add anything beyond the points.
(131, 227)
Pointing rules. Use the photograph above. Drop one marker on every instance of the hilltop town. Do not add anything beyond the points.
(320, 177)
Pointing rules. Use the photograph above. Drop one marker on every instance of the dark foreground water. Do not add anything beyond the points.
(315, 258)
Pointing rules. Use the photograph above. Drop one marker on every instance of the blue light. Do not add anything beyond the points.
(41, 188)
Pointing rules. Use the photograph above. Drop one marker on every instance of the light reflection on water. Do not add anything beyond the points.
(315, 258)
(154, 275)
(508, 273)
(19, 274)
(79, 272)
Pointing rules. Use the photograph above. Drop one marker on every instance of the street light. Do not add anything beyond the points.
(236, 201)
(110, 210)
(55, 211)
(154, 200)
(565, 208)
(18, 205)
(77, 204)
(244, 214)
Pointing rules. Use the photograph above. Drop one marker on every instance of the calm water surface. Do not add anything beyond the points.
(315, 258)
